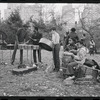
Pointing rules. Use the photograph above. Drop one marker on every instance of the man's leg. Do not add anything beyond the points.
(54, 57)
(39, 54)
(34, 56)
(57, 59)
(21, 56)
(70, 68)
(14, 53)
(80, 71)
(65, 61)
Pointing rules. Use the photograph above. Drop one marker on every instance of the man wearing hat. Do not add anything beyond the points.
(21, 34)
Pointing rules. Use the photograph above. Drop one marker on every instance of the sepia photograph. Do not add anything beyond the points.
(50, 49)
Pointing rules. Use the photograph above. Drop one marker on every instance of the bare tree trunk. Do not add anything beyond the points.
(83, 25)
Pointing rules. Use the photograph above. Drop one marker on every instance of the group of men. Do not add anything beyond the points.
(74, 55)
(73, 47)
(27, 34)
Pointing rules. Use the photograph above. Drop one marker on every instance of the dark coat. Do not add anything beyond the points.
(74, 36)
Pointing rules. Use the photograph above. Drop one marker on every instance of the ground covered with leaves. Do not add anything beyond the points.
(39, 83)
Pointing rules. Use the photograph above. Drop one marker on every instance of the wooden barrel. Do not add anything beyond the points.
(46, 44)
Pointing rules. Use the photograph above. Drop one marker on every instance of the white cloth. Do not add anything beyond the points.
(55, 38)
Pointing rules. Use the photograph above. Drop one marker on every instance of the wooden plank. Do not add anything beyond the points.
(28, 46)
(91, 68)
(85, 67)
(23, 70)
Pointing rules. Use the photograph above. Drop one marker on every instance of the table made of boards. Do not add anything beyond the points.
(27, 47)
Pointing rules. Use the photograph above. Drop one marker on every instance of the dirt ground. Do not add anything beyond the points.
(39, 83)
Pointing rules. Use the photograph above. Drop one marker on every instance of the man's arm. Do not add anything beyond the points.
(77, 58)
(68, 53)
(58, 39)
(17, 34)
(74, 51)
(52, 38)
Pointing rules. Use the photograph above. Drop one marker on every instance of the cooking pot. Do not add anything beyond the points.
(46, 44)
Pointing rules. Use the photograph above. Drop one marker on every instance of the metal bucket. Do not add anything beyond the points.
(46, 44)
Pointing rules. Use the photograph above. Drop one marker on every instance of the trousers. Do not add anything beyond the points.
(39, 55)
(56, 58)
(14, 54)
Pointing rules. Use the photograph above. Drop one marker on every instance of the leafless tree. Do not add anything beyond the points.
(88, 23)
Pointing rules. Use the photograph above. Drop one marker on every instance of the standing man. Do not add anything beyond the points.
(73, 35)
(56, 49)
(34, 39)
(20, 38)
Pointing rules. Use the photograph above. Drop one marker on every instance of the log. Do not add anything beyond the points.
(85, 67)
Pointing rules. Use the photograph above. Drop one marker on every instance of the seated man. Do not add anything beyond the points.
(71, 45)
(67, 59)
(92, 46)
(73, 35)
(77, 60)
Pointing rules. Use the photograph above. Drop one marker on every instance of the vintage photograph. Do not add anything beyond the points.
(50, 49)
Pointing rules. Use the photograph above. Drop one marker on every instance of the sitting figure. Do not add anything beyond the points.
(66, 59)
(76, 62)
(92, 47)
(73, 35)
(71, 45)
